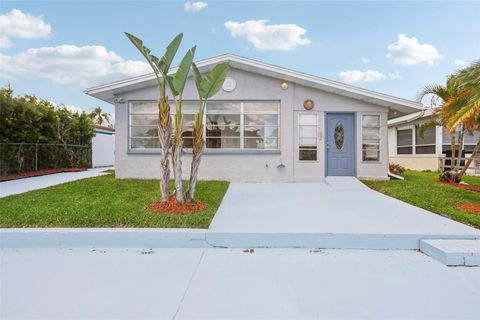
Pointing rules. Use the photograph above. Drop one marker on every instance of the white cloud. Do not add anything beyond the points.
(365, 60)
(394, 75)
(17, 24)
(69, 64)
(353, 76)
(70, 107)
(194, 6)
(407, 51)
(282, 37)
(459, 63)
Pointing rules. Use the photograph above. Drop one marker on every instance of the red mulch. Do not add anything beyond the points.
(469, 207)
(463, 186)
(171, 206)
(39, 173)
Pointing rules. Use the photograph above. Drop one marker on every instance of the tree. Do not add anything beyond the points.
(161, 67)
(177, 84)
(99, 117)
(447, 99)
(207, 87)
(468, 115)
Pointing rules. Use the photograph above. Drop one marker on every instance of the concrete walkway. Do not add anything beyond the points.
(231, 284)
(341, 213)
(11, 187)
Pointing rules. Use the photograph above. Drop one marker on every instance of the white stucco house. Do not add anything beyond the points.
(267, 123)
(408, 149)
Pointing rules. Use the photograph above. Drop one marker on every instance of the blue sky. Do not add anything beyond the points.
(392, 47)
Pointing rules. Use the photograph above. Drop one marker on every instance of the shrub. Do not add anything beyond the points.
(396, 169)
(26, 121)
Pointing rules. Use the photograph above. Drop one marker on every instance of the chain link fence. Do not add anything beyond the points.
(25, 157)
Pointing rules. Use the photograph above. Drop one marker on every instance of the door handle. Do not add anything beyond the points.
(328, 146)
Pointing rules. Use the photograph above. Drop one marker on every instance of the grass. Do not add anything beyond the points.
(423, 190)
(104, 202)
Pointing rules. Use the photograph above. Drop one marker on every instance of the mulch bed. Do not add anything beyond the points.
(462, 186)
(171, 206)
(39, 173)
(469, 207)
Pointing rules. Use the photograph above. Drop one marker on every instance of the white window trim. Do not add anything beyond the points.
(317, 138)
(380, 130)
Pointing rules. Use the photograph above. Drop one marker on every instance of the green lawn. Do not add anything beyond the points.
(423, 190)
(104, 202)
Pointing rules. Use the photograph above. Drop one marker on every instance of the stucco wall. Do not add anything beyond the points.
(417, 162)
(257, 166)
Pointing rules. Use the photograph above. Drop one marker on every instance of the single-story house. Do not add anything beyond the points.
(430, 152)
(103, 147)
(267, 123)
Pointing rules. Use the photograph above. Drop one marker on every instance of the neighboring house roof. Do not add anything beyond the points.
(412, 117)
(104, 129)
(107, 92)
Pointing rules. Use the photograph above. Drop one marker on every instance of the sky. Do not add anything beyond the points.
(56, 49)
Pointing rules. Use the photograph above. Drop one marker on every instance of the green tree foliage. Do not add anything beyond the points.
(27, 119)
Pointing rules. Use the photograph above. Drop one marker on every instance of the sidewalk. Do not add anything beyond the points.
(11, 187)
(106, 283)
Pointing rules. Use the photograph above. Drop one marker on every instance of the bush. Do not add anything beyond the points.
(396, 169)
(27, 120)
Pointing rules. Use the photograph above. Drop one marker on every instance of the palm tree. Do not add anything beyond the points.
(207, 87)
(160, 67)
(177, 84)
(99, 117)
(468, 115)
(449, 101)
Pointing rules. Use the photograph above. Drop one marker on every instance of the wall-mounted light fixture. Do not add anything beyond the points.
(308, 104)
(284, 85)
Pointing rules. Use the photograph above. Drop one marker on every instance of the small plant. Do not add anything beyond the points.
(396, 169)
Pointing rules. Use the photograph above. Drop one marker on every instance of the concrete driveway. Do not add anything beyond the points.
(340, 213)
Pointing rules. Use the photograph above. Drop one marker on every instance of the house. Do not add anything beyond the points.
(267, 123)
(430, 152)
(103, 147)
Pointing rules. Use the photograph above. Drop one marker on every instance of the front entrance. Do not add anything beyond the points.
(340, 144)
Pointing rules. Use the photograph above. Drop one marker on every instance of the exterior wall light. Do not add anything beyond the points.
(284, 85)
(308, 104)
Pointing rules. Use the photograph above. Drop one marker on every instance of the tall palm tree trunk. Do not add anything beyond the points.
(453, 156)
(177, 149)
(165, 136)
(196, 159)
(197, 149)
(460, 147)
(476, 151)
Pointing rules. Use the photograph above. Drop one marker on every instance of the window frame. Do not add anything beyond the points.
(379, 150)
(413, 137)
(434, 144)
(317, 134)
(206, 150)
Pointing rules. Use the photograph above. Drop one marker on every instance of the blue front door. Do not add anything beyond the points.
(340, 144)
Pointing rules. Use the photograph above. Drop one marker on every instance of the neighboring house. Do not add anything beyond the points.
(103, 147)
(267, 124)
(408, 149)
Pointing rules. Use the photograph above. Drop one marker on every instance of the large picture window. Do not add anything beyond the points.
(228, 124)
(371, 138)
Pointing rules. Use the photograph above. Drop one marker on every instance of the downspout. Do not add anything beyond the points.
(395, 176)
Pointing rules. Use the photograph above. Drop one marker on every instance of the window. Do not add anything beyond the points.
(307, 137)
(371, 138)
(228, 124)
(404, 141)
(425, 145)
